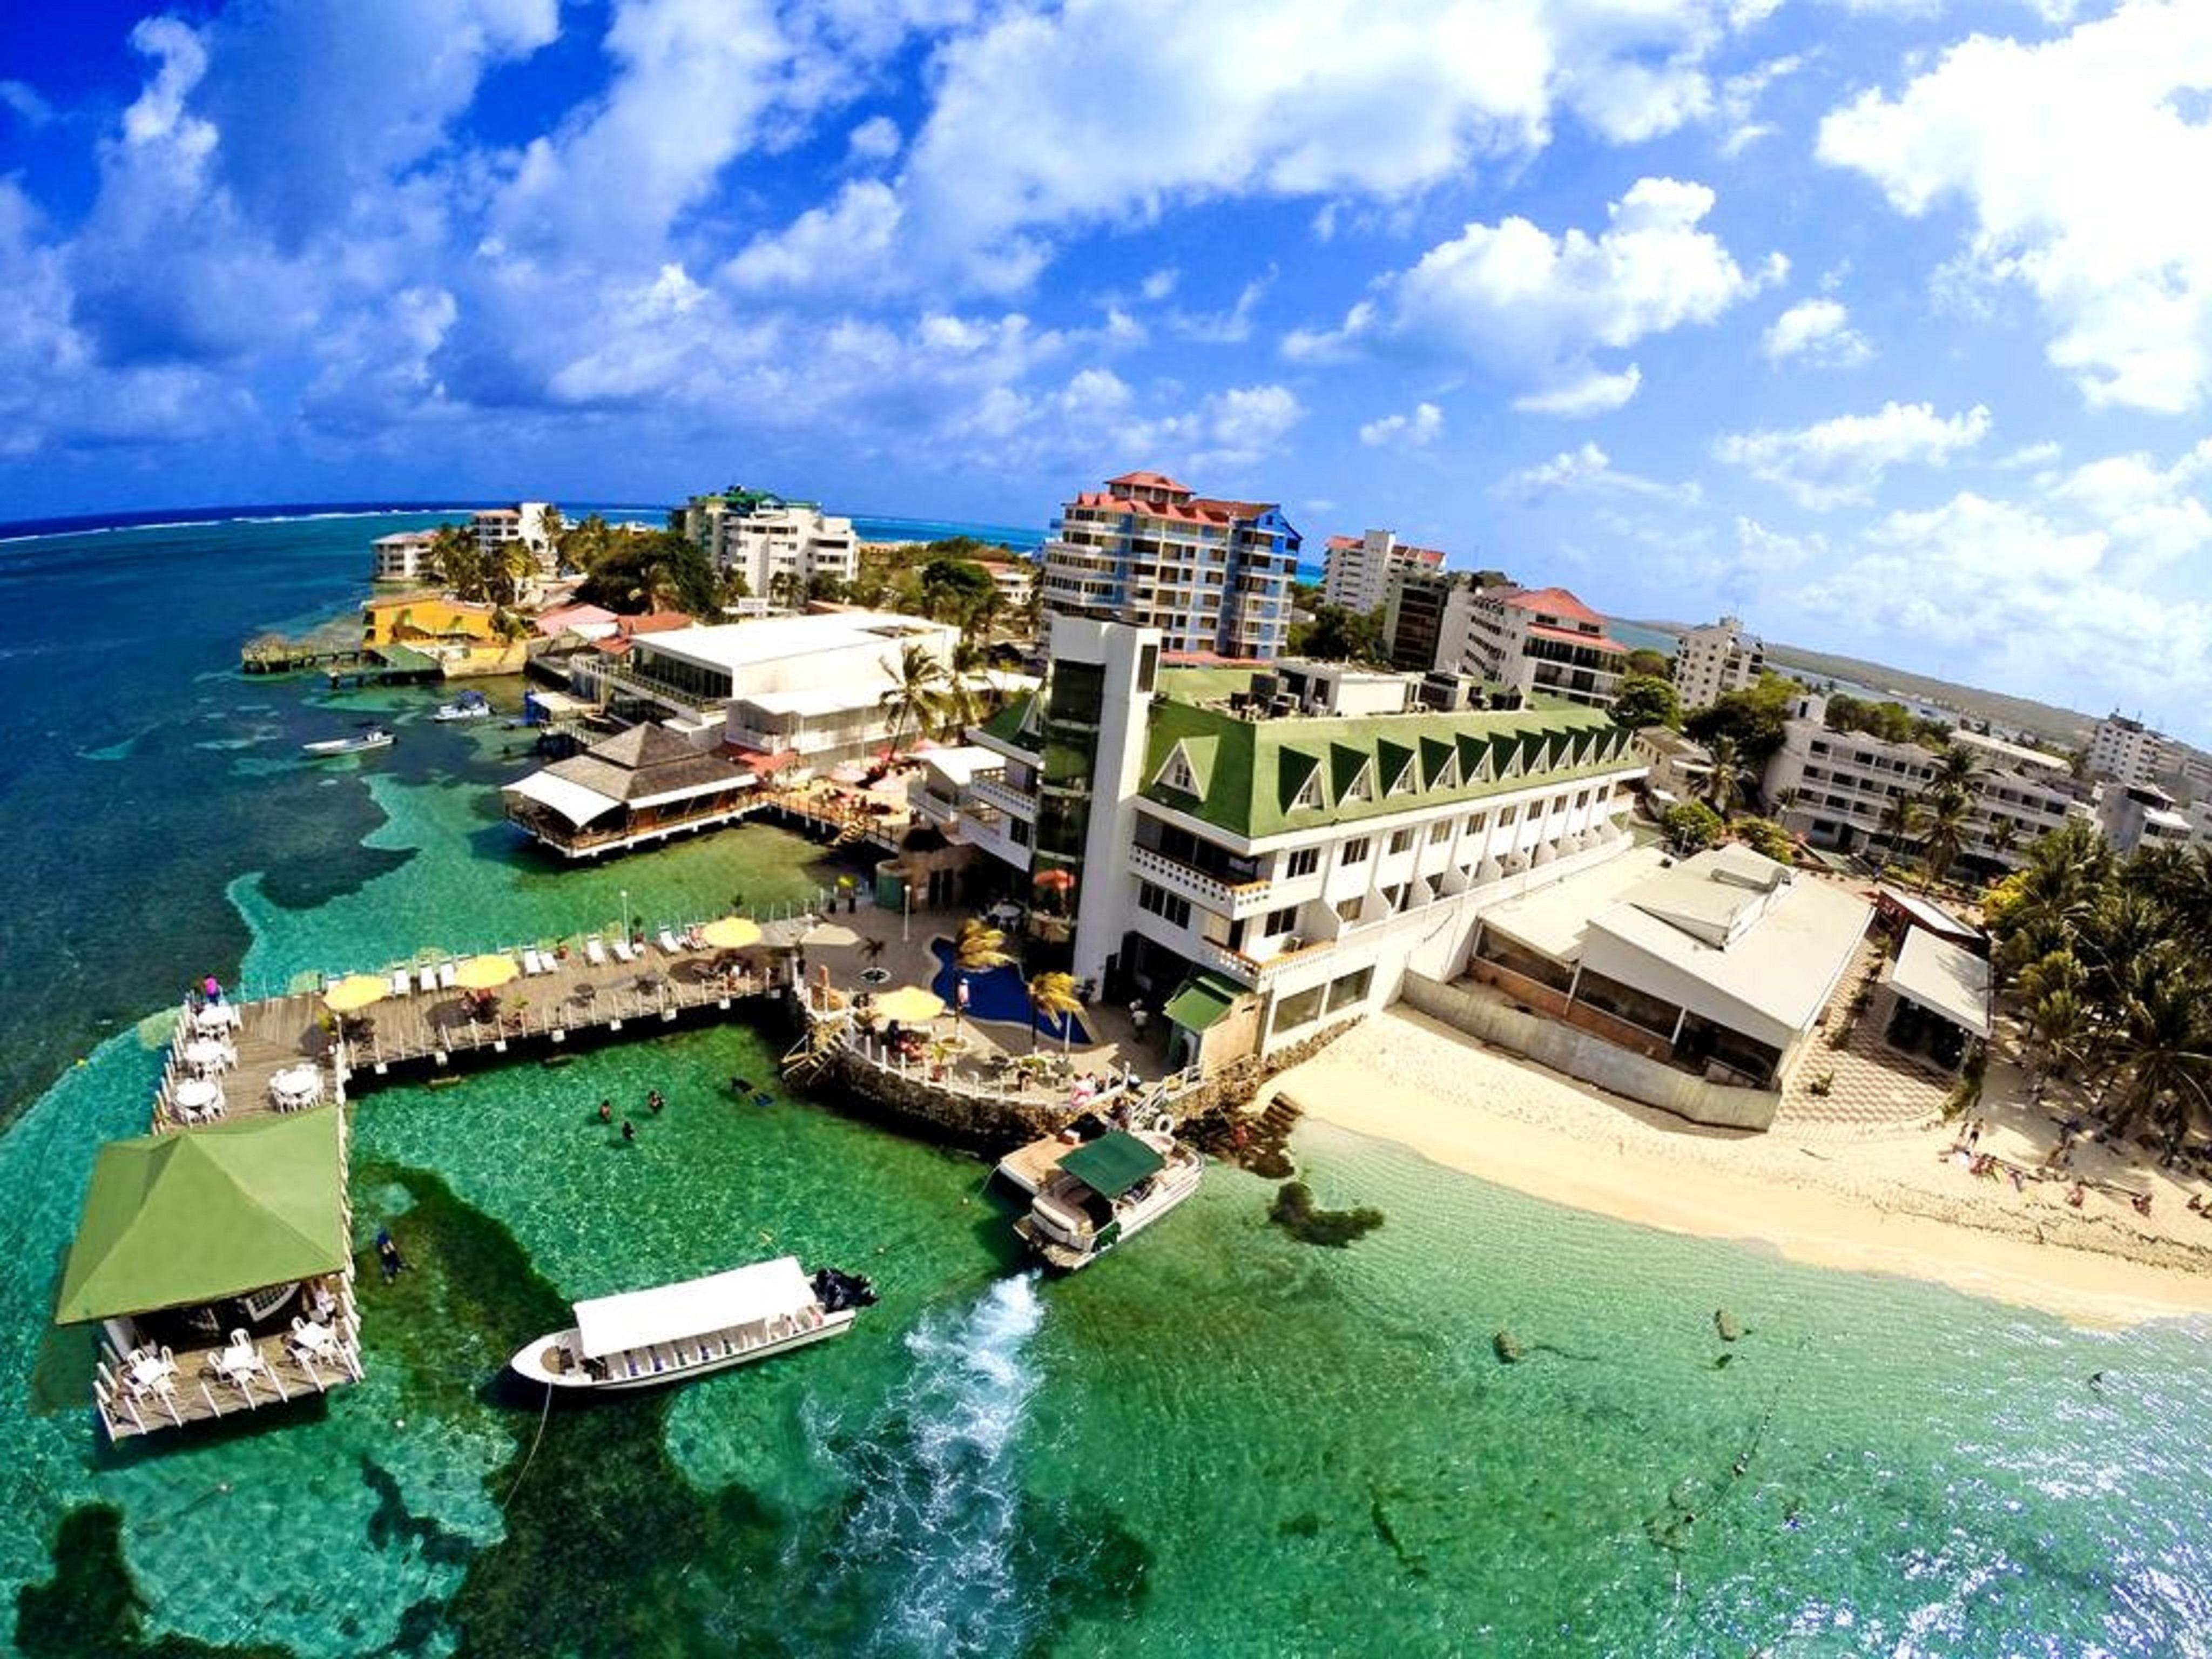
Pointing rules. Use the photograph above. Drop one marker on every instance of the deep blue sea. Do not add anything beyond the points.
(1220, 1442)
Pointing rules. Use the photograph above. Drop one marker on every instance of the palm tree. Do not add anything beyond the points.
(1902, 821)
(583, 544)
(2165, 1041)
(511, 627)
(1725, 786)
(920, 683)
(458, 560)
(1956, 769)
(2059, 1025)
(655, 588)
(1949, 813)
(2004, 836)
(1051, 994)
(785, 591)
(977, 949)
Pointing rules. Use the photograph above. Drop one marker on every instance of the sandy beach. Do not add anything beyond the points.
(1883, 1202)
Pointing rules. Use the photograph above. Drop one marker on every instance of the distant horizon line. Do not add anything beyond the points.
(164, 517)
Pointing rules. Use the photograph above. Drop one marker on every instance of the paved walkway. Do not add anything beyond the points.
(1874, 1088)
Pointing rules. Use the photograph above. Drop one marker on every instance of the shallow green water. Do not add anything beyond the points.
(1220, 1442)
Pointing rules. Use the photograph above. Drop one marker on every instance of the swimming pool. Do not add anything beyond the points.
(1000, 993)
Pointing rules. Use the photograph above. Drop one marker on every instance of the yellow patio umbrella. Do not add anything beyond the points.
(732, 933)
(909, 1005)
(355, 991)
(482, 973)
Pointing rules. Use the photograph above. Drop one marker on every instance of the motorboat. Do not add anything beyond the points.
(469, 706)
(375, 737)
(1104, 1191)
(671, 1333)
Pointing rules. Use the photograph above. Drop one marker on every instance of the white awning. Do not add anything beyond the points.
(735, 781)
(668, 1313)
(1945, 980)
(572, 800)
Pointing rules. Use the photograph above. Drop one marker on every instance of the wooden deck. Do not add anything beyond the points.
(196, 1394)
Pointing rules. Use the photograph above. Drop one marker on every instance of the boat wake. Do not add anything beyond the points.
(936, 1533)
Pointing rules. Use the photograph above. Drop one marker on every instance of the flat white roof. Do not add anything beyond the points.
(733, 646)
(960, 764)
(857, 693)
(669, 1313)
(572, 800)
(1552, 919)
(1944, 979)
(1928, 913)
(2019, 754)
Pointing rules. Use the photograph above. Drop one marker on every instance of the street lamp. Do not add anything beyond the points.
(625, 903)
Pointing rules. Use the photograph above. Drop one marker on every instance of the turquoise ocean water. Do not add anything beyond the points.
(1221, 1442)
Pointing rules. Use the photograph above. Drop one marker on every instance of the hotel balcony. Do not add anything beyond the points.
(995, 791)
(1233, 900)
(1297, 952)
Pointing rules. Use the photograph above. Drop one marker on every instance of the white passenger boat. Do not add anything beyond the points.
(1103, 1191)
(674, 1331)
(374, 738)
(469, 706)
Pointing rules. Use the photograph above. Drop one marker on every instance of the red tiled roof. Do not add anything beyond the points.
(1236, 509)
(1198, 510)
(1338, 543)
(1554, 601)
(656, 622)
(1428, 555)
(760, 760)
(1149, 481)
(1595, 642)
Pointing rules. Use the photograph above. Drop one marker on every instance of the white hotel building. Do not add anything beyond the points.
(1277, 871)
(1839, 784)
(1711, 661)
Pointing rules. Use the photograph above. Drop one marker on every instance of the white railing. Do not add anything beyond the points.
(1234, 899)
(996, 791)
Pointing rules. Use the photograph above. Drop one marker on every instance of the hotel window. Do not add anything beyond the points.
(1507, 814)
(1170, 906)
(1302, 862)
(1440, 831)
(1355, 852)
(1399, 840)
(1278, 923)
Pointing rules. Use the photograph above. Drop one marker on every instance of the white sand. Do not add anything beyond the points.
(1882, 1204)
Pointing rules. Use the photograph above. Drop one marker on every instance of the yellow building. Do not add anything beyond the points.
(433, 618)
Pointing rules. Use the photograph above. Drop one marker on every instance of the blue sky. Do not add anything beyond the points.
(1886, 324)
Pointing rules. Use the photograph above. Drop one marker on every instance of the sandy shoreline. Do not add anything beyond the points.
(1885, 1204)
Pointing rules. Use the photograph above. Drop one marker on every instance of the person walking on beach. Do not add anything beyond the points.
(1974, 1134)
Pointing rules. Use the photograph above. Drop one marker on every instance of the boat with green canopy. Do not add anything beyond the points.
(1103, 1191)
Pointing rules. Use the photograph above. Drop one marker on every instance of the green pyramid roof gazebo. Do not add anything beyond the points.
(176, 1220)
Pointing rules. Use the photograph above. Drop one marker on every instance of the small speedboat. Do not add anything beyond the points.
(375, 737)
(671, 1333)
(469, 706)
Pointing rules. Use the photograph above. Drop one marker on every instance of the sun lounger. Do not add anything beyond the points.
(595, 951)
(402, 981)
(624, 951)
(533, 964)
(670, 943)
(445, 976)
(430, 979)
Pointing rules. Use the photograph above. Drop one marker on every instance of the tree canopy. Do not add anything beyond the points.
(1646, 700)
(1752, 716)
(660, 571)
(1337, 634)
(1692, 825)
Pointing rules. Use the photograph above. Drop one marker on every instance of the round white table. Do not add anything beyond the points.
(196, 1096)
(206, 1055)
(215, 1017)
(296, 1086)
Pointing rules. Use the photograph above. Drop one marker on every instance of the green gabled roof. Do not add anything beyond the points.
(1204, 998)
(1257, 767)
(188, 1218)
(1006, 724)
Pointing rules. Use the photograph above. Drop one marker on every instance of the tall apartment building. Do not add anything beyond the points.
(1834, 788)
(1357, 570)
(1279, 859)
(1414, 614)
(2131, 753)
(1540, 640)
(1711, 661)
(2132, 814)
(779, 546)
(1210, 575)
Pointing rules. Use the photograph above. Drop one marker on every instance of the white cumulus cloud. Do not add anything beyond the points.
(1535, 308)
(1415, 431)
(2068, 156)
(1588, 471)
(1845, 460)
(1818, 333)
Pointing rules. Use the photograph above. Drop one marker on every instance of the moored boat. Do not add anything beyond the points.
(1104, 1191)
(469, 706)
(375, 737)
(671, 1333)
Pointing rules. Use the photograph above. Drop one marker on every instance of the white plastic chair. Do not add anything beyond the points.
(430, 979)
(668, 943)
